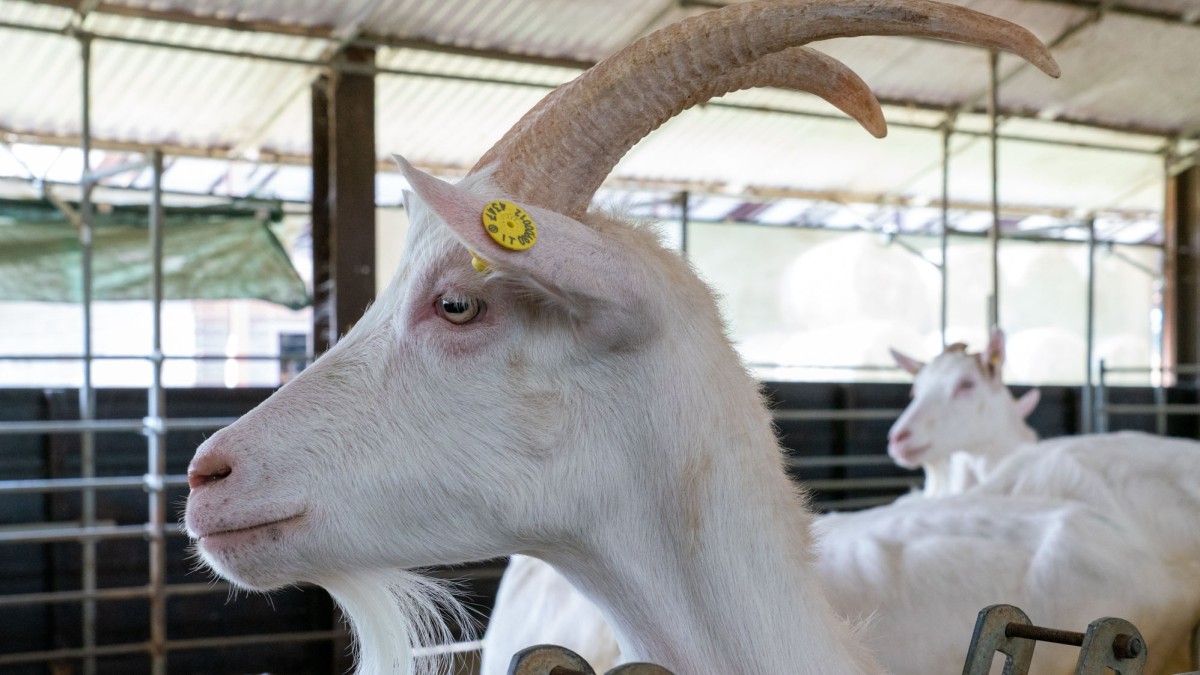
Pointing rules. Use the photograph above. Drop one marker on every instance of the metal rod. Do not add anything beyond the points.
(1160, 402)
(993, 138)
(947, 131)
(122, 593)
(830, 415)
(852, 503)
(266, 638)
(684, 221)
(93, 177)
(1055, 635)
(81, 653)
(1179, 369)
(156, 439)
(838, 460)
(87, 394)
(1087, 408)
(1152, 409)
(149, 357)
(43, 485)
(173, 645)
(50, 535)
(1103, 409)
(862, 483)
(112, 426)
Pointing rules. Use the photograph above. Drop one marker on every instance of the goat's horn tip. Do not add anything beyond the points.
(876, 126)
(1045, 62)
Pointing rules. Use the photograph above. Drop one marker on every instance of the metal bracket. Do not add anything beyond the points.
(990, 636)
(554, 660)
(1109, 643)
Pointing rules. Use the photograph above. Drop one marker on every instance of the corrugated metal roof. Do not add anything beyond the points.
(1122, 71)
(1119, 71)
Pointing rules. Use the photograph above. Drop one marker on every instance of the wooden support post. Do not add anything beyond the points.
(1181, 268)
(343, 209)
(322, 277)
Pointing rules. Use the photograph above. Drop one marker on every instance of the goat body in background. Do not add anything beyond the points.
(916, 573)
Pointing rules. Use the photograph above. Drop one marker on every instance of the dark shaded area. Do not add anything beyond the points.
(27, 568)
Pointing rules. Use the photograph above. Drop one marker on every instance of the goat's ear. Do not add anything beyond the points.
(565, 261)
(907, 363)
(994, 358)
(1028, 402)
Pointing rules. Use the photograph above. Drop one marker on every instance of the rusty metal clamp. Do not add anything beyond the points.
(1109, 643)
(554, 660)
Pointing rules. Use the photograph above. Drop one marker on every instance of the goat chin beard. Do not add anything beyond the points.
(393, 612)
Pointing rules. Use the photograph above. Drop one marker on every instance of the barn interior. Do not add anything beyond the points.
(197, 199)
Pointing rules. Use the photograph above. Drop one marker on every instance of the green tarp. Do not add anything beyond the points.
(208, 254)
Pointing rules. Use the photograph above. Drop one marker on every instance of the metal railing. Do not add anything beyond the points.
(1160, 408)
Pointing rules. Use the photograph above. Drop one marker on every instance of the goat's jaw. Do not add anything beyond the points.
(259, 557)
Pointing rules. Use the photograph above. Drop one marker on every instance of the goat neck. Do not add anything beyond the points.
(704, 565)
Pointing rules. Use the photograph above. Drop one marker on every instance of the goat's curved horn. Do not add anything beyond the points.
(798, 68)
(559, 153)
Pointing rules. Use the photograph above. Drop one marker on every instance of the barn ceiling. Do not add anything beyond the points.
(229, 80)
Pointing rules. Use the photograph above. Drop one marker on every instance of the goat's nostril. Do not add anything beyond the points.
(902, 436)
(196, 478)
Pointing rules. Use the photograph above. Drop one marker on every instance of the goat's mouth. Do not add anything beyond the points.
(207, 537)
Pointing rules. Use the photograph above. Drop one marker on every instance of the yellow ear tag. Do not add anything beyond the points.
(478, 263)
(509, 225)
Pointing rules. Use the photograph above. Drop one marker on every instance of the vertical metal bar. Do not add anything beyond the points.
(156, 435)
(1101, 417)
(684, 202)
(87, 393)
(947, 130)
(993, 136)
(1160, 409)
(1087, 410)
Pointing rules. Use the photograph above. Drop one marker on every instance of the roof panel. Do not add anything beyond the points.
(30, 14)
(206, 37)
(153, 95)
(1184, 8)
(581, 30)
(49, 99)
(1123, 71)
(286, 12)
(443, 122)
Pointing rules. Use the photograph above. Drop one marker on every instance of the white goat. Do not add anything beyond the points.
(920, 570)
(537, 605)
(962, 420)
(536, 407)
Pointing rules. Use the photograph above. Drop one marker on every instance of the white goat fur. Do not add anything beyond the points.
(962, 420)
(918, 571)
(641, 509)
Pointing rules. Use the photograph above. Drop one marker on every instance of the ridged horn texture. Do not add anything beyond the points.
(798, 68)
(562, 150)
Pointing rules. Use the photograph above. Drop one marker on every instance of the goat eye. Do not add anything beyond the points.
(459, 310)
(965, 386)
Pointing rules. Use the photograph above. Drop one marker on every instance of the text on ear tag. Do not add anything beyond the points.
(509, 225)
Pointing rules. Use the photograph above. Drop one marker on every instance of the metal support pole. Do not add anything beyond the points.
(1087, 408)
(1101, 402)
(684, 202)
(156, 435)
(947, 131)
(993, 137)
(87, 393)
